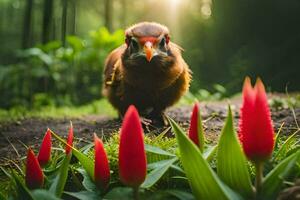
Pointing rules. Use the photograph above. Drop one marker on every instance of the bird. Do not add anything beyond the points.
(147, 71)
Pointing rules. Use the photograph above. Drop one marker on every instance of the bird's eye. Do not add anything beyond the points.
(162, 42)
(134, 44)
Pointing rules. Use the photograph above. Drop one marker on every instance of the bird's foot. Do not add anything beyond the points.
(159, 120)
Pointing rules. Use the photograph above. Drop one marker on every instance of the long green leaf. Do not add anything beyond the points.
(181, 195)
(87, 182)
(22, 191)
(86, 162)
(157, 173)
(83, 195)
(203, 180)
(273, 181)
(209, 153)
(58, 185)
(231, 162)
(43, 194)
(158, 151)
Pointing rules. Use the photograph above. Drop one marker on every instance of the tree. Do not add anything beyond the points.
(26, 40)
(123, 13)
(108, 11)
(47, 20)
(64, 21)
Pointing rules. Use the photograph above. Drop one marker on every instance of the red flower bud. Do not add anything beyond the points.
(101, 170)
(255, 126)
(196, 130)
(34, 177)
(45, 149)
(132, 156)
(69, 139)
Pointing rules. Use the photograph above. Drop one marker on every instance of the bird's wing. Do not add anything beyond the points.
(112, 62)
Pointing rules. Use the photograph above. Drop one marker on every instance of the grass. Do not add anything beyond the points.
(97, 107)
(103, 107)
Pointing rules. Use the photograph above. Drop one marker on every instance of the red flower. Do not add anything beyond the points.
(69, 139)
(132, 156)
(196, 130)
(255, 128)
(45, 149)
(34, 177)
(101, 171)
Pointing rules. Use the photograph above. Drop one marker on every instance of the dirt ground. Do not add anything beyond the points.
(30, 131)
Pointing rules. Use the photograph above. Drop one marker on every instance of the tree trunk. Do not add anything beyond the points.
(73, 17)
(26, 37)
(108, 11)
(64, 22)
(47, 20)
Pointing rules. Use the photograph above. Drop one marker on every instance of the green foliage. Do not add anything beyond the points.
(95, 107)
(58, 184)
(231, 162)
(55, 75)
(204, 182)
(190, 175)
(232, 167)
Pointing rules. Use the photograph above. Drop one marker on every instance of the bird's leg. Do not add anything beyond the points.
(159, 118)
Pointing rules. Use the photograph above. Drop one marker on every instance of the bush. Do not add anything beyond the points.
(54, 74)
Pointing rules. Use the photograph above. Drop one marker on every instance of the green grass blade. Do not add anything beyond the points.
(231, 162)
(273, 181)
(58, 185)
(289, 142)
(155, 175)
(203, 180)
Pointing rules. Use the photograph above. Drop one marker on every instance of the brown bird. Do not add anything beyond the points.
(147, 71)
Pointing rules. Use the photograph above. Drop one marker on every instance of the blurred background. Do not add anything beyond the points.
(52, 51)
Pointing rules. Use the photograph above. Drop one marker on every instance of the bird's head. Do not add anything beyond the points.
(147, 40)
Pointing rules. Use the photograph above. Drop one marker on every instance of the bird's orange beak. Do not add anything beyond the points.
(148, 49)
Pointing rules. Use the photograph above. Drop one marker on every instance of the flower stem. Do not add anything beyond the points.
(259, 176)
(135, 193)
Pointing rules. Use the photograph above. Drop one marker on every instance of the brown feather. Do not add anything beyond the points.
(150, 86)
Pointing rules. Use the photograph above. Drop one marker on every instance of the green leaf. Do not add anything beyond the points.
(158, 151)
(43, 194)
(83, 195)
(203, 180)
(231, 162)
(181, 195)
(160, 163)
(87, 182)
(58, 185)
(273, 181)
(21, 188)
(209, 153)
(160, 169)
(86, 162)
(118, 193)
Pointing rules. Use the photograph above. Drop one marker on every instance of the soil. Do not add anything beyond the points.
(30, 131)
